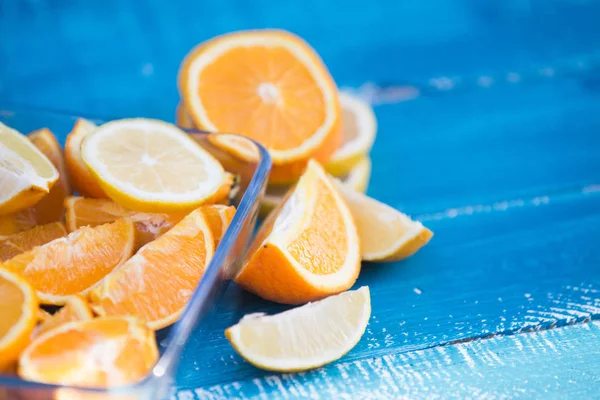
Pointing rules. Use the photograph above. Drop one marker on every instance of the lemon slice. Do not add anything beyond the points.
(359, 127)
(385, 233)
(150, 165)
(26, 175)
(305, 337)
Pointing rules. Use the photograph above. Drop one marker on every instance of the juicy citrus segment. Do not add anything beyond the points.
(75, 309)
(18, 243)
(359, 127)
(26, 175)
(18, 315)
(17, 222)
(75, 263)
(93, 212)
(50, 207)
(357, 178)
(183, 118)
(157, 282)
(218, 217)
(307, 248)
(101, 352)
(150, 165)
(82, 179)
(385, 233)
(268, 85)
(305, 337)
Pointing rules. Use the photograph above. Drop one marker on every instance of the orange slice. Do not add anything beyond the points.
(218, 218)
(93, 212)
(82, 179)
(75, 309)
(50, 207)
(26, 175)
(18, 243)
(385, 233)
(18, 315)
(74, 264)
(17, 222)
(268, 85)
(307, 248)
(235, 145)
(157, 282)
(101, 352)
(150, 165)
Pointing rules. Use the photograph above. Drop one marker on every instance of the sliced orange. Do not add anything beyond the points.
(307, 248)
(218, 218)
(74, 264)
(82, 180)
(157, 282)
(268, 85)
(101, 352)
(18, 243)
(235, 145)
(17, 222)
(182, 117)
(50, 207)
(75, 309)
(93, 212)
(18, 315)
(26, 174)
(385, 233)
(150, 165)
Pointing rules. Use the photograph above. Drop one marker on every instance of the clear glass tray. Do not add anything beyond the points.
(226, 261)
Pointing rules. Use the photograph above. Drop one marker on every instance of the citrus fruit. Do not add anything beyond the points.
(157, 282)
(218, 217)
(268, 85)
(17, 222)
(81, 178)
(236, 145)
(305, 337)
(385, 233)
(50, 207)
(307, 248)
(75, 309)
(26, 175)
(93, 212)
(18, 315)
(75, 263)
(182, 117)
(101, 352)
(150, 165)
(18, 243)
(359, 127)
(357, 178)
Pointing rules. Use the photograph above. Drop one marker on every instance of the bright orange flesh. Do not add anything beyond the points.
(82, 180)
(218, 218)
(101, 352)
(74, 264)
(93, 212)
(156, 283)
(50, 207)
(307, 248)
(18, 243)
(268, 85)
(18, 315)
(17, 222)
(75, 309)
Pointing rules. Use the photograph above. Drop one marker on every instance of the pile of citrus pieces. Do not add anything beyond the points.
(124, 259)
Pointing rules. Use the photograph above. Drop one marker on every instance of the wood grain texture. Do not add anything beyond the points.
(504, 367)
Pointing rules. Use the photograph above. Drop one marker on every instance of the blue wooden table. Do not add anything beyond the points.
(489, 116)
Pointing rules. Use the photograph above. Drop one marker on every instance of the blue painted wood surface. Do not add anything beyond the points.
(489, 114)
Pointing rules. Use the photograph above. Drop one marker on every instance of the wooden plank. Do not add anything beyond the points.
(560, 363)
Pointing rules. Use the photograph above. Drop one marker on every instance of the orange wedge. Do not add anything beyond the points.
(17, 222)
(157, 282)
(385, 233)
(218, 218)
(74, 264)
(26, 174)
(18, 243)
(268, 85)
(50, 207)
(82, 180)
(307, 248)
(75, 309)
(93, 212)
(18, 315)
(101, 352)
